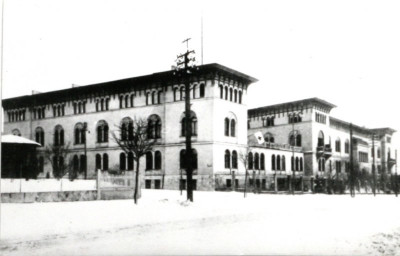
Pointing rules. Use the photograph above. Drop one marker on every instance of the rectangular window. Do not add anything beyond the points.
(338, 166)
(157, 184)
(363, 157)
(148, 183)
(228, 183)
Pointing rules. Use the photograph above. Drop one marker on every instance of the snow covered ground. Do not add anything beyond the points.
(216, 223)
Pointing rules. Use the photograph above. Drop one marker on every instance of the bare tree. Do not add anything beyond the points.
(134, 138)
(56, 155)
(244, 159)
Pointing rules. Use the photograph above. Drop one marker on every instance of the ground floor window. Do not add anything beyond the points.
(228, 183)
(148, 184)
(157, 184)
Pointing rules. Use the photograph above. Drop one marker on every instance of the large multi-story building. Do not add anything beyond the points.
(296, 137)
(325, 140)
(85, 118)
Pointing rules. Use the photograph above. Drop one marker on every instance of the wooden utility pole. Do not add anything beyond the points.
(352, 178)
(183, 63)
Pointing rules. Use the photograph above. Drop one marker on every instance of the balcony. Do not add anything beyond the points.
(391, 162)
(324, 151)
(278, 146)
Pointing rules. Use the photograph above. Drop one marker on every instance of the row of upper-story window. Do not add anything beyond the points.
(269, 121)
(294, 139)
(256, 161)
(103, 103)
(233, 95)
(154, 126)
(338, 145)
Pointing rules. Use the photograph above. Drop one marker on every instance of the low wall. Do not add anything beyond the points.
(65, 196)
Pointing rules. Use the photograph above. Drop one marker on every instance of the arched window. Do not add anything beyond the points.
(79, 133)
(105, 162)
(39, 135)
(194, 91)
(256, 161)
(240, 97)
(273, 162)
(58, 135)
(157, 160)
(193, 124)
(98, 162)
(221, 91)
(149, 161)
(291, 140)
(102, 131)
(122, 161)
(227, 159)
(320, 139)
(175, 94)
(268, 137)
(153, 97)
(102, 104)
(154, 127)
(230, 94)
(126, 101)
(297, 164)
(233, 128)
(82, 163)
(226, 126)
(292, 164)
(182, 159)
(121, 101)
(107, 103)
(283, 163)
(262, 161)
(278, 163)
(147, 98)
(126, 129)
(250, 161)
(97, 106)
(80, 107)
(130, 161)
(202, 91)
(75, 163)
(337, 145)
(234, 159)
(235, 95)
(298, 140)
(301, 164)
(159, 97)
(132, 99)
(226, 93)
(182, 91)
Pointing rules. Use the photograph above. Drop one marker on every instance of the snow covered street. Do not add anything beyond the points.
(216, 223)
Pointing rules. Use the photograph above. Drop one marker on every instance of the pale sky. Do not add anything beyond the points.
(345, 52)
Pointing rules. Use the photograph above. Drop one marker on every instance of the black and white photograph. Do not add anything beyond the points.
(200, 127)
